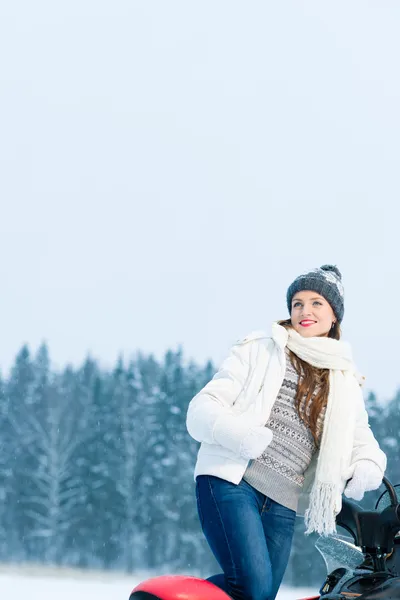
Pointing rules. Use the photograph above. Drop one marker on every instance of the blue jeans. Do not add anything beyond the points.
(249, 534)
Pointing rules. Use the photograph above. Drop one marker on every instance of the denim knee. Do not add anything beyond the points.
(251, 588)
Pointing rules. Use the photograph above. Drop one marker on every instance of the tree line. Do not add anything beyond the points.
(96, 466)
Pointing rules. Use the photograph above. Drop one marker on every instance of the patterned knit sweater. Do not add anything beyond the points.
(279, 471)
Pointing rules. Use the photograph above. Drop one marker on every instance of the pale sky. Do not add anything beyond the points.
(168, 168)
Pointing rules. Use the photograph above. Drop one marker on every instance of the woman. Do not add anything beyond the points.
(283, 428)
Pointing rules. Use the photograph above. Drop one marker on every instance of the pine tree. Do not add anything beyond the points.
(132, 444)
(6, 460)
(21, 411)
(89, 537)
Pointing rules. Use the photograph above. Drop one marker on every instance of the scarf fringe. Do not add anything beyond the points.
(320, 516)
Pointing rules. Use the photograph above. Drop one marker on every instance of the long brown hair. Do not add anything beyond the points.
(313, 388)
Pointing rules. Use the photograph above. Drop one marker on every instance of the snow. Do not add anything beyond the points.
(57, 584)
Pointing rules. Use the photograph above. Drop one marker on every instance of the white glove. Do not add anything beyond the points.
(367, 476)
(238, 434)
(255, 442)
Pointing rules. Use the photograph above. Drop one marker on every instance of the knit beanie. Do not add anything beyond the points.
(326, 281)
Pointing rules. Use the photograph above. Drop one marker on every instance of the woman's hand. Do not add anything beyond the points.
(255, 442)
(367, 476)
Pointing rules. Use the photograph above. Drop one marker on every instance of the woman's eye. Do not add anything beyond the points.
(318, 302)
(296, 304)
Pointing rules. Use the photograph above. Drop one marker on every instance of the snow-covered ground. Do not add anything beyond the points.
(57, 584)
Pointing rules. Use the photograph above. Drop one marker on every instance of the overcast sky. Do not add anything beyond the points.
(168, 168)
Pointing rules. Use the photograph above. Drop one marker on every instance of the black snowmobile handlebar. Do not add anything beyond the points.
(391, 491)
(372, 530)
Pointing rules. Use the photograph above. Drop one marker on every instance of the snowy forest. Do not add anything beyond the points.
(96, 466)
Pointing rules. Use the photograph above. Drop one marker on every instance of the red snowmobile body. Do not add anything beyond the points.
(374, 573)
(177, 587)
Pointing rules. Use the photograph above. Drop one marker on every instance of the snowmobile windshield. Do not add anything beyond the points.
(339, 551)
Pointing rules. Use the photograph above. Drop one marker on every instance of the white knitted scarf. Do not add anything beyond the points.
(335, 355)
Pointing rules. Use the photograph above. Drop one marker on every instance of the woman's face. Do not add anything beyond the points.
(311, 315)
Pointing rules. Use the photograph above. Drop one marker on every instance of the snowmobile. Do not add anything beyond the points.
(363, 565)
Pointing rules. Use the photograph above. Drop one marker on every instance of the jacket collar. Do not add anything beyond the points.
(279, 335)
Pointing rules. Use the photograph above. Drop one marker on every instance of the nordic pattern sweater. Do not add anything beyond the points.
(279, 471)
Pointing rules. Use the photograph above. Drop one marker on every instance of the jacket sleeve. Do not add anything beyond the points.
(210, 417)
(365, 445)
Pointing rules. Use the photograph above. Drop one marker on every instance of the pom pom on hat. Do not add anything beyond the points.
(332, 268)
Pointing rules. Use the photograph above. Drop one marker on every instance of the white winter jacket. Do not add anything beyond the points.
(241, 395)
